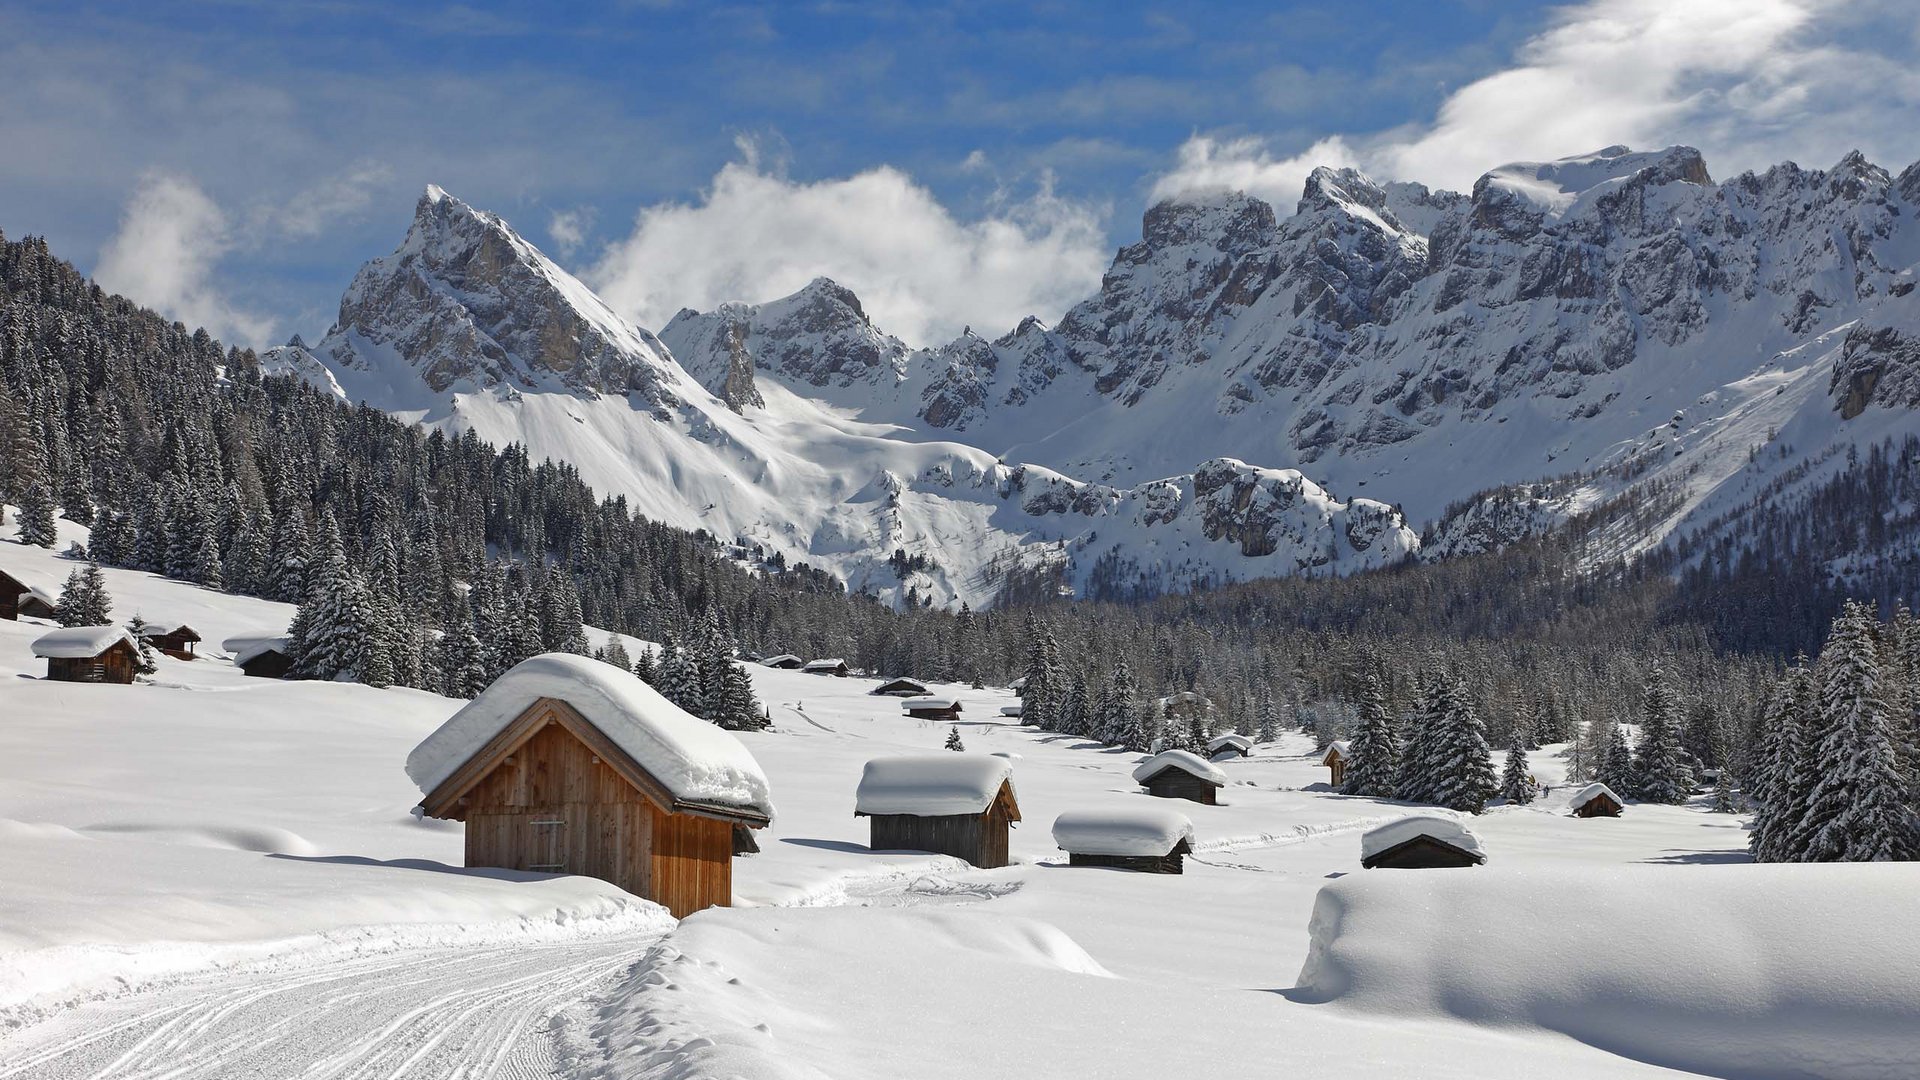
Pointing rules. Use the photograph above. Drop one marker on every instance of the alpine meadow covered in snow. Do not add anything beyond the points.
(960, 541)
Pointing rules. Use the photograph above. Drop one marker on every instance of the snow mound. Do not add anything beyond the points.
(1394, 833)
(1726, 971)
(79, 642)
(1179, 759)
(1145, 830)
(695, 760)
(1591, 792)
(246, 647)
(931, 785)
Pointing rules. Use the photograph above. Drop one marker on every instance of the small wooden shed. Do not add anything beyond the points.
(1595, 800)
(1420, 842)
(11, 589)
(955, 804)
(785, 661)
(38, 604)
(1221, 747)
(944, 709)
(1179, 774)
(176, 641)
(89, 654)
(568, 765)
(832, 665)
(1336, 761)
(1149, 839)
(900, 688)
(261, 657)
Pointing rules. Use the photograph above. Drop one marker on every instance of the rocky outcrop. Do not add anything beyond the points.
(818, 338)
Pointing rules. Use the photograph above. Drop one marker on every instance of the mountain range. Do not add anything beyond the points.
(1389, 372)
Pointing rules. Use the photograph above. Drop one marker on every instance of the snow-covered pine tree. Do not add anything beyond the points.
(1042, 695)
(953, 739)
(463, 662)
(1661, 772)
(1464, 777)
(287, 557)
(1516, 781)
(1857, 809)
(1783, 772)
(1076, 711)
(737, 707)
(84, 600)
(330, 632)
(1373, 762)
(1616, 769)
(615, 653)
(645, 668)
(1268, 725)
(36, 516)
(1118, 723)
(1424, 749)
(144, 661)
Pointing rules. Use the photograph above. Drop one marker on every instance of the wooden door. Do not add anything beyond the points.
(546, 844)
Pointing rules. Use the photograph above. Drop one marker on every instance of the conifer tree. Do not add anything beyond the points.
(144, 661)
(463, 663)
(1268, 729)
(1464, 776)
(1425, 750)
(1118, 724)
(1661, 772)
(84, 600)
(1616, 769)
(1782, 774)
(1516, 782)
(1373, 761)
(35, 519)
(1856, 808)
(953, 739)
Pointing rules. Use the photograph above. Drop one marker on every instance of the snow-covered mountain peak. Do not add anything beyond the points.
(1231, 222)
(1553, 189)
(819, 336)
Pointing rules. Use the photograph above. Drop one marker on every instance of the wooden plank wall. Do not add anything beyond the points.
(981, 839)
(1181, 784)
(692, 862)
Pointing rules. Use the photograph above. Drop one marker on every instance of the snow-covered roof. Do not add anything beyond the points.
(1012, 710)
(1239, 742)
(1340, 747)
(825, 664)
(783, 658)
(912, 703)
(1139, 830)
(1394, 833)
(163, 629)
(79, 642)
(1179, 759)
(694, 760)
(40, 594)
(1018, 684)
(931, 785)
(1591, 792)
(247, 647)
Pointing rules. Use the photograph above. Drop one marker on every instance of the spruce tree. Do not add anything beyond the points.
(1464, 773)
(1425, 749)
(1616, 769)
(1856, 809)
(1268, 729)
(1118, 724)
(1516, 782)
(1783, 776)
(84, 600)
(144, 660)
(1661, 772)
(1373, 754)
(953, 739)
(36, 516)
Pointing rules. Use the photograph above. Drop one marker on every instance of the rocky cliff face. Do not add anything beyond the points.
(819, 338)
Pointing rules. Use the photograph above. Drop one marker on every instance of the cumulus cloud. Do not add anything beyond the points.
(170, 238)
(921, 273)
(1749, 82)
(568, 229)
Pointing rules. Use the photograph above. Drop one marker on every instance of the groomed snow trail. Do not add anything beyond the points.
(460, 1013)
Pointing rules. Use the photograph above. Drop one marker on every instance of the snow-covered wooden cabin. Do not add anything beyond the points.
(1149, 839)
(944, 709)
(900, 688)
(567, 765)
(1230, 745)
(1595, 800)
(1420, 842)
(831, 665)
(91, 654)
(785, 661)
(11, 589)
(955, 804)
(1013, 710)
(1180, 774)
(1338, 753)
(263, 656)
(176, 640)
(37, 604)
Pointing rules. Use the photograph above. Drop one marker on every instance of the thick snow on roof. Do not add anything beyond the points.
(783, 658)
(825, 663)
(1591, 792)
(245, 647)
(1180, 759)
(693, 759)
(1012, 710)
(1220, 742)
(910, 704)
(931, 785)
(1341, 747)
(79, 642)
(1136, 830)
(1394, 833)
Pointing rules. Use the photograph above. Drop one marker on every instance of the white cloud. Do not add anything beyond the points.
(919, 272)
(568, 229)
(312, 211)
(171, 236)
(1749, 82)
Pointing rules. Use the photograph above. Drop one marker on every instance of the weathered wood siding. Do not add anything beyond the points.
(948, 715)
(1598, 807)
(1337, 769)
(1420, 853)
(692, 862)
(268, 665)
(1181, 784)
(1145, 864)
(10, 590)
(177, 645)
(981, 839)
(113, 666)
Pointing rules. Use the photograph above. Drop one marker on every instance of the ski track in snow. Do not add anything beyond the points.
(453, 1012)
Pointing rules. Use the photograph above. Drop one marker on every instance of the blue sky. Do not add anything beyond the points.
(234, 162)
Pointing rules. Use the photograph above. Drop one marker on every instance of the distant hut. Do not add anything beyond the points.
(1221, 747)
(1149, 839)
(567, 765)
(1177, 774)
(37, 604)
(955, 804)
(831, 666)
(944, 709)
(176, 641)
(1595, 800)
(1013, 710)
(89, 654)
(1019, 686)
(786, 661)
(1420, 842)
(900, 688)
(1338, 754)
(11, 589)
(262, 657)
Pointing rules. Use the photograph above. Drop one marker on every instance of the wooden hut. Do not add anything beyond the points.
(900, 688)
(11, 589)
(176, 641)
(785, 661)
(1336, 761)
(1178, 774)
(944, 709)
(955, 804)
(830, 666)
(89, 654)
(37, 604)
(1230, 745)
(1149, 839)
(567, 765)
(262, 657)
(1420, 842)
(1015, 710)
(1595, 800)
